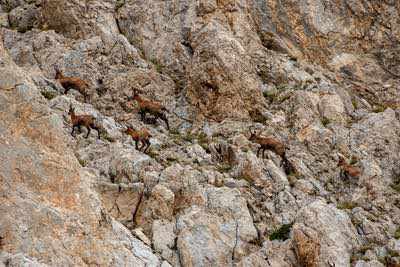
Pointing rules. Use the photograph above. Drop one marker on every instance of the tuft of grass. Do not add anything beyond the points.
(82, 162)
(282, 87)
(48, 94)
(325, 121)
(174, 132)
(396, 184)
(104, 135)
(282, 233)
(203, 141)
(271, 97)
(171, 159)
(346, 205)
(284, 98)
(224, 168)
(397, 233)
(396, 187)
(152, 154)
(188, 137)
(159, 67)
(119, 4)
(292, 178)
(202, 138)
(355, 104)
(379, 109)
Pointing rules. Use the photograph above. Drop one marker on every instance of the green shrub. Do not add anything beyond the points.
(396, 187)
(224, 168)
(104, 135)
(346, 205)
(49, 94)
(397, 233)
(282, 233)
(119, 4)
(396, 183)
(355, 104)
(282, 87)
(379, 109)
(82, 162)
(325, 121)
(159, 67)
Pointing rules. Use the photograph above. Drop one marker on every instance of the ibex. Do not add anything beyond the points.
(346, 170)
(83, 120)
(274, 145)
(73, 83)
(267, 143)
(142, 136)
(151, 107)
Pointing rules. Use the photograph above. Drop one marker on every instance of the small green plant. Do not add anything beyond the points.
(202, 138)
(393, 254)
(48, 94)
(355, 104)
(282, 233)
(396, 184)
(174, 131)
(346, 205)
(82, 162)
(397, 233)
(325, 121)
(292, 178)
(282, 87)
(152, 154)
(157, 65)
(104, 135)
(271, 96)
(224, 168)
(285, 97)
(171, 159)
(206, 147)
(379, 109)
(189, 137)
(119, 4)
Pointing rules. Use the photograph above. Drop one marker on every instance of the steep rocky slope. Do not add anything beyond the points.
(322, 76)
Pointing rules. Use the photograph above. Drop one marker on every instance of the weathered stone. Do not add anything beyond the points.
(41, 180)
(324, 235)
(164, 239)
(160, 205)
(23, 18)
(321, 76)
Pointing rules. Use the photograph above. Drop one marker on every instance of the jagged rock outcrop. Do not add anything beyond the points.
(321, 76)
(324, 236)
(50, 212)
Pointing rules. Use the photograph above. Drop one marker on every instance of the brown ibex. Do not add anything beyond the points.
(143, 136)
(151, 107)
(346, 170)
(274, 145)
(267, 143)
(73, 83)
(83, 120)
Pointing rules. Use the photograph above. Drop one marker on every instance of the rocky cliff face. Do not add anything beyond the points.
(321, 76)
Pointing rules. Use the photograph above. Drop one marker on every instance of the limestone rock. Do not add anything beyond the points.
(321, 76)
(23, 18)
(160, 205)
(324, 235)
(41, 180)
